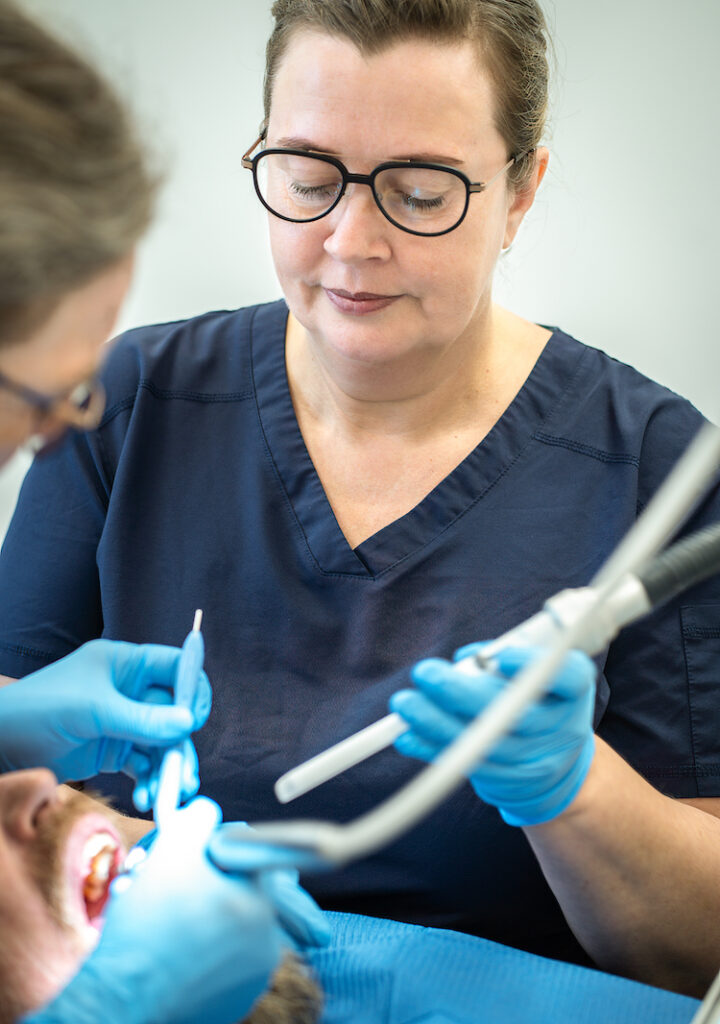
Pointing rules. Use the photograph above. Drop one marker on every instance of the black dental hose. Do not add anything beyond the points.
(689, 561)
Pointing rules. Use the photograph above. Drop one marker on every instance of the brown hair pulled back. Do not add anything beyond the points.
(510, 35)
(75, 191)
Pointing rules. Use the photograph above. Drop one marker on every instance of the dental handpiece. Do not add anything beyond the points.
(190, 665)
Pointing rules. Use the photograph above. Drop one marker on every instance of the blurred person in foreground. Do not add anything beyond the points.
(183, 941)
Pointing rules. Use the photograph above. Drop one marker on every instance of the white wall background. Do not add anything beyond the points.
(619, 250)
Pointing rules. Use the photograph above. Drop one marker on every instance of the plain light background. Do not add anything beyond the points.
(619, 249)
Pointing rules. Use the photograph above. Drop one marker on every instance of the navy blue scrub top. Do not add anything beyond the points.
(197, 491)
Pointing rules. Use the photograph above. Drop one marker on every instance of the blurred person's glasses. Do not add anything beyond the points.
(81, 408)
(421, 198)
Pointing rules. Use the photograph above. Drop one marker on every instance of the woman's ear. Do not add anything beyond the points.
(523, 199)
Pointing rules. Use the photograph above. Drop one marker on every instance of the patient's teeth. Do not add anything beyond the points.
(99, 855)
(97, 842)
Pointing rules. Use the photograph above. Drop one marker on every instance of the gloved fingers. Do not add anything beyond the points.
(425, 718)
(411, 745)
(432, 723)
(297, 911)
(139, 668)
(144, 766)
(489, 777)
(576, 674)
(509, 752)
(148, 764)
(141, 796)
(202, 700)
(575, 681)
(138, 766)
(111, 754)
(230, 854)
(453, 690)
(157, 695)
(469, 650)
(535, 791)
(190, 782)
(122, 718)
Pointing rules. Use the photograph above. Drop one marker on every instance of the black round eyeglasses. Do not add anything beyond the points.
(420, 198)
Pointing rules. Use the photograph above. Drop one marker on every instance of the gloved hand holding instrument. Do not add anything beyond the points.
(106, 707)
(535, 770)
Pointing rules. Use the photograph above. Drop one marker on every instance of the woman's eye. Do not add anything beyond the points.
(418, 204)
(328, 191)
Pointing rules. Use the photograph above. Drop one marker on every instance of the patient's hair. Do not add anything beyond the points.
(76, 192)
(293, 996)
(510, 36)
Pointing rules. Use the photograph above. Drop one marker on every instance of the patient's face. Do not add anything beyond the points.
(59, 851)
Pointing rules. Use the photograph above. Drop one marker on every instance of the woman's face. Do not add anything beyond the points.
(61, 353)
(369, 294)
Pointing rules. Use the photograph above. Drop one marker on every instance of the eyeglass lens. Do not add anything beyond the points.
(84, 406)
(301, 188)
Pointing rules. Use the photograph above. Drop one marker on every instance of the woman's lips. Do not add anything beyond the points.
(358, 303)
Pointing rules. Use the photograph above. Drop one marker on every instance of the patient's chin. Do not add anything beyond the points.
(293, 997)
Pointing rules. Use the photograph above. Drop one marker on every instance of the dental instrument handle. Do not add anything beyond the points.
(190, 665)
(339, 757)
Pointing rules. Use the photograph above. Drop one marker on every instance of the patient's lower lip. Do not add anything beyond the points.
(359, 303)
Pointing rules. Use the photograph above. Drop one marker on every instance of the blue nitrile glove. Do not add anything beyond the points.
(182, 941)
(534, 772)
(101, 709)
(299, 914)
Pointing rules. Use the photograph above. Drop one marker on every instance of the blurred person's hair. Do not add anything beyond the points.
(511, 38)
(76, 191)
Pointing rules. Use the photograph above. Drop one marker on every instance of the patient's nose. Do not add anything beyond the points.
(24, 796)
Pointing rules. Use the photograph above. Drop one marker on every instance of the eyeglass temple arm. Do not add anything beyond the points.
(480, 186)
(245, 159)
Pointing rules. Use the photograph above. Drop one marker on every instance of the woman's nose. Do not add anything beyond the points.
(23, 797)
(358, 229)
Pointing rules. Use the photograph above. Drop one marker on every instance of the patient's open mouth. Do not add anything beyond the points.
(100, 855)
(93, 857)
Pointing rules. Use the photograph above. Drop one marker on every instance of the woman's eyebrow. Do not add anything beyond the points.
(431, 158)
(297, 142)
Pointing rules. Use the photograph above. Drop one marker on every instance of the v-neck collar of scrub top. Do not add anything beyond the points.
(436, 512)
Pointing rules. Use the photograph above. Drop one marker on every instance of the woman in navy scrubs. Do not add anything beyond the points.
(382, 467)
